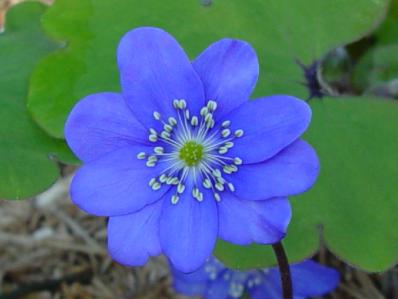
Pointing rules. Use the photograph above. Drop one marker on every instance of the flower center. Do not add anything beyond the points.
(192, 147)
(191, 153)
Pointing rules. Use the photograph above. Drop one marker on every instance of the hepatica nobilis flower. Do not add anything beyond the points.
(215, 281)
(181, 156)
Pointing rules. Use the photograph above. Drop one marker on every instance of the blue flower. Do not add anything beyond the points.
(181, 157)
(214, 281)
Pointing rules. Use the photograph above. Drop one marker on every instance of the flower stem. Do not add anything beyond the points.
(284, 270)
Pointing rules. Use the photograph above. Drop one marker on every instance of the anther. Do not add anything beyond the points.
(141, 155)
(238, 133)
(238, 161)
(168, 128)
(194, 121)
(207, 183)
(187, 114)
(156, 186)
(153, 138)
(229, 144)
(152, 181)
(220, 187)
(172, 121)
(225, 123)
(163, 178)
(222, 150)
(152, 158)
(165, 135)
(180, 188)
(158, 150)
(150, 163)
(208, 118)
(174, 199)
(227, 169)
(231, 187)
(176, 104)
(182, 104)
(156, 115)
(212, 105)
(217, 197)
(233, 167)
(216, 173)
(204, 111)
(225, 133)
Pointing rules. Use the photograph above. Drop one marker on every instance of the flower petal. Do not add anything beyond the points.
(189, 288)
(312, 279)
(190, 284)
(268, 290)
(269, 125)
(229, 71)
(218, 289)
(154, 70)
(243, 222)
(292, 171)
(188, 231)
(133, 238)
(102, 123)
(116, 184)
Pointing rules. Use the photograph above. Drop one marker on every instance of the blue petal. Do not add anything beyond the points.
(100, 124)
(269, 125)
(190, 284)
(243, 222)
(309, 279)
(133, 238)
(188, 231)
(218, 289)
(189, 288)
(267, 290)
(292, 171)
(154, 70)
(313, 279)
(229, 71)
(116, 184)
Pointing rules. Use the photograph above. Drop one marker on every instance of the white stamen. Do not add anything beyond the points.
(168, 128)
(194, 121)
(229, 144)
(222, 150)
(174, 199)
(156, 186)
(238, 133)
(217, 197)
(225, 133)
(231, 187)
(180, 188)
(172, 121)
(153, 138)
(156, 115)
(220, 187)
(152, 181)
(225, 123)
(238, 161)
(158, 150)
(141, 155)
(207, 183)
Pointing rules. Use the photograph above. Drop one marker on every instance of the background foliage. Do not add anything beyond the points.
(352, 206)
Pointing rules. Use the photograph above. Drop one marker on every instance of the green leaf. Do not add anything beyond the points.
(282, 31)
(354, 202)
(377, 71)
(26, 166)
(346, 132)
